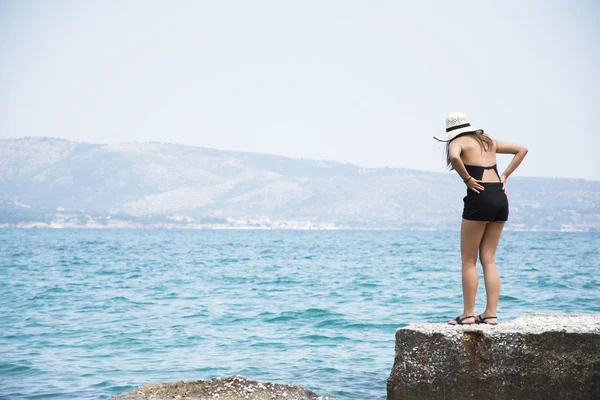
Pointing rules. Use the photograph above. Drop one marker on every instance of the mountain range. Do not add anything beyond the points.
(61, 183)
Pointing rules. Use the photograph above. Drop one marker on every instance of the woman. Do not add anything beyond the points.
(472, 155)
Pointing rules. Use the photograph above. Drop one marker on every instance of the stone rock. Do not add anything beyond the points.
(231, 388)
(532, 357)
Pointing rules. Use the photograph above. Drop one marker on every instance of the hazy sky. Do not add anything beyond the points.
(366, 82)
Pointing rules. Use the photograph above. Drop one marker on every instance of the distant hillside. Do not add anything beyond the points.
(59, 182)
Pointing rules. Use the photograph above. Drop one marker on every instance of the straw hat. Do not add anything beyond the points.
(456, 123)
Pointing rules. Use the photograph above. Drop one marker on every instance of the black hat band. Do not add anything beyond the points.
(457, 127)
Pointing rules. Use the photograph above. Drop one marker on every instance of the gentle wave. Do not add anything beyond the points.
(91, 314)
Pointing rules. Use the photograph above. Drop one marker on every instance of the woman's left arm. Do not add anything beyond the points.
(454, 151)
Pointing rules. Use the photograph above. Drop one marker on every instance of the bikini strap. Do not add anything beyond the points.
(495, 168)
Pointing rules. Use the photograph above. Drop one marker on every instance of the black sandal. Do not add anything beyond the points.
(459, 320)
(481, 320)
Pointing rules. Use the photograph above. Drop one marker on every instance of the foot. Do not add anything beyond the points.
(463, 320)
(486, 319)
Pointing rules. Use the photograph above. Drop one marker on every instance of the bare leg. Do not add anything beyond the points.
(471, 233)
(487, 256)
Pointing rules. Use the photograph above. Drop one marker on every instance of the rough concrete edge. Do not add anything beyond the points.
(526, 324)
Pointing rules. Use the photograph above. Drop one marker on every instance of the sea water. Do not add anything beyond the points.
(87, 314)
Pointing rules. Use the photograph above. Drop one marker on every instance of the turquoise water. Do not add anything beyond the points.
(88, 314)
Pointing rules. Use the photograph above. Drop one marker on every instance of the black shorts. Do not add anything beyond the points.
(489, 205)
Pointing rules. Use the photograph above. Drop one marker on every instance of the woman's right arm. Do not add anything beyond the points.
(510, 148)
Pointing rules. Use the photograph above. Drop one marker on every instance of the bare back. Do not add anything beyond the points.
(471, 153)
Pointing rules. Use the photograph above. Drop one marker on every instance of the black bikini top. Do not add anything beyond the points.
(476, 171)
